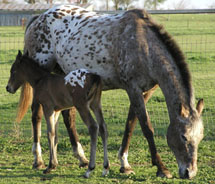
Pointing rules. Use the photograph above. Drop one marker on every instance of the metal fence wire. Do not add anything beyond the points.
(195, 34)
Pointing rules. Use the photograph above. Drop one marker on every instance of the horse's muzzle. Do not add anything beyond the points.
(8, 88)
(187, 174)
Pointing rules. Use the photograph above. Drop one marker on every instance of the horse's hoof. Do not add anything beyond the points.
(87, 174)
(83, 165)
(38, 166)
(105, 172)
(126, 170)
(164, 174)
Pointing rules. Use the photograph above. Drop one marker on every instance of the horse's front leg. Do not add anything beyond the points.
(69, 121)
(129, 128)
(51, 120)
(138, 105)
(37, 114)
(123, 151)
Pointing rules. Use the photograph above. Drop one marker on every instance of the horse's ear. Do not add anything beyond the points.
(19, 55)
(184, 112)
(27, 53)
(200, 106)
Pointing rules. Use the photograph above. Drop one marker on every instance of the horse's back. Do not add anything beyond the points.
(77, 38)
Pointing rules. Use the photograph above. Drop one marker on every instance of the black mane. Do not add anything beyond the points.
(177, 55)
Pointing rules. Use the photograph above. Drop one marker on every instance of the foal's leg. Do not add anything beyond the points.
(129, 128)
(93, 131)
(137, 103)
(36, 125)
(51, 120)
(69, 121)
(96, 107)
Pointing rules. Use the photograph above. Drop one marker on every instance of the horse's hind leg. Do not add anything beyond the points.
(138, 106)
(123, 151)
(93, 131)
(36, 125)
(69, 121)
(129, 128)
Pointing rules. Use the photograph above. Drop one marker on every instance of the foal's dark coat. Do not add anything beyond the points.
(55, 93)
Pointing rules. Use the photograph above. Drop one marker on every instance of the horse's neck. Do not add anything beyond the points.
(176, 94)
(34, 74)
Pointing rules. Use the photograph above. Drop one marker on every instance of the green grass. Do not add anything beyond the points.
(16, 162)
(196, 36)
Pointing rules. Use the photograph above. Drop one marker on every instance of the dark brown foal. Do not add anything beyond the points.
(56, 93)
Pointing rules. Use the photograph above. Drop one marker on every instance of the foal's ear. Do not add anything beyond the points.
(200, 106)
(19, 55)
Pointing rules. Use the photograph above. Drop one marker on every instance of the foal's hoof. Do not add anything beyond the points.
(164, 174)
(126, 170)
(48, 170)
(38, 166)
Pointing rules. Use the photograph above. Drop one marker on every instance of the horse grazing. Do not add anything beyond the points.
(128, 51)
(55, 93)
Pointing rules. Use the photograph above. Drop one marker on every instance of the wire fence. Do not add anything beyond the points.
(195, 34)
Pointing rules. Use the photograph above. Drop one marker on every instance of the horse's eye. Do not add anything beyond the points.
(183, 138)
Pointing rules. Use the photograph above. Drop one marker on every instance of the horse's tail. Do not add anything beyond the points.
(31, 21)
(27, 27)
(24, 101)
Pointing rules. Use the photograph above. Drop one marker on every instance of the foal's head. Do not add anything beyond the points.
(16, 75)
(184, 136)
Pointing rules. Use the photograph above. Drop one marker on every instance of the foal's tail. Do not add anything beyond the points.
(95, 87)
(24, 101)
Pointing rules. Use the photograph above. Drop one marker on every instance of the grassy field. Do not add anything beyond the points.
(196, 36)
(16, 162)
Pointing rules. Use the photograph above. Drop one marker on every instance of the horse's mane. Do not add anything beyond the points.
(176, 53)
(172, 47)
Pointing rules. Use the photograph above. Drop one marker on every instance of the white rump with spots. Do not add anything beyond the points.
(76, 77)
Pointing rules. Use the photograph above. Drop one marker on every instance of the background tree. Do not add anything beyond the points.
(117, 3)
(5, 1)
(31, 1)
(107, 5)
(152, 4)
(180, 5)
(83, 1)
(49, 1)
(212, 6)
(126, 3)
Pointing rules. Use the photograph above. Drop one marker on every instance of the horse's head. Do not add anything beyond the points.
(16, 79)
(183, 137)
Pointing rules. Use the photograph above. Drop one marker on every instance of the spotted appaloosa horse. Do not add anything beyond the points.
(56, 92)
(131, 52)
